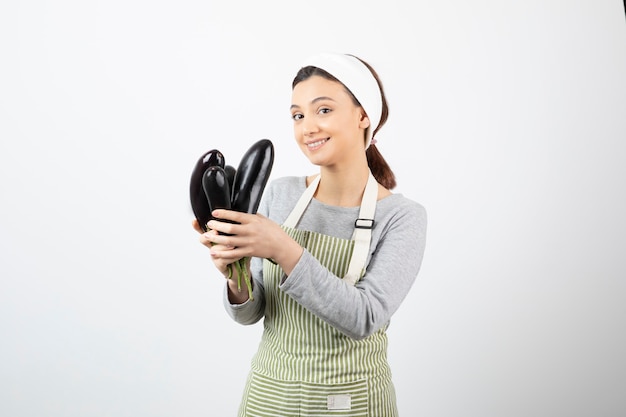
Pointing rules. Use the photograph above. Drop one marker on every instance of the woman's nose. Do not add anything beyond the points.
(309, 126)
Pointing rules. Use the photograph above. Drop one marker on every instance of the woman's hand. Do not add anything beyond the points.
(250, 235)
(224, 263)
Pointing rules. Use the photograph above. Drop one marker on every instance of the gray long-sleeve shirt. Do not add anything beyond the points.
(396, 252)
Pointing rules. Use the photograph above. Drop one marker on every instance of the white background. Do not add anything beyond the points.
(508, 122)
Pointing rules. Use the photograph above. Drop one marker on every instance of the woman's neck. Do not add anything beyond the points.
(342, 188)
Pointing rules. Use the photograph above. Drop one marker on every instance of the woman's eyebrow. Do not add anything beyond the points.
(315, 100)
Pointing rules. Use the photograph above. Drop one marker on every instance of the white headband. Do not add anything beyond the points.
(357, 78)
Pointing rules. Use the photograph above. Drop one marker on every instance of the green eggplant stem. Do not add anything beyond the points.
(242, 271)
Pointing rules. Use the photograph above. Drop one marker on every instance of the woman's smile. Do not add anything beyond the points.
(317, 143)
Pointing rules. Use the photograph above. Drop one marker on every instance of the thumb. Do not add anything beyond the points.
(196, 226)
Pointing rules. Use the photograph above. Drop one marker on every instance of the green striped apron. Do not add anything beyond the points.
(305, 367)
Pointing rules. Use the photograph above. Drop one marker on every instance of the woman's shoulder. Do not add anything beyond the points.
(281, 195)
(400, 204)
(287, 185)
(291, 181)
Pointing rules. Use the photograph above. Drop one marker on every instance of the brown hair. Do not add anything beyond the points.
(377, 164)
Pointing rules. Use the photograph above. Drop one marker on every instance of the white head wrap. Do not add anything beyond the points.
(357, 78)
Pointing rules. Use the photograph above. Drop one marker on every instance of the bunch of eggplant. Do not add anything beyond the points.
(216, 185)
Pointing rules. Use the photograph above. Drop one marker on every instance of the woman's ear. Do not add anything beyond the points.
(364, 123)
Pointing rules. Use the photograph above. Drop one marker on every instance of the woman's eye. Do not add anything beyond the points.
(325, 110)
(296, 116)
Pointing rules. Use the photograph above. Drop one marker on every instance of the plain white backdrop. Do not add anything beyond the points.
(507, 123)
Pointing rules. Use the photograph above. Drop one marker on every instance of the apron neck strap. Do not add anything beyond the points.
(363, 231)
(362, 225)
(302, 204)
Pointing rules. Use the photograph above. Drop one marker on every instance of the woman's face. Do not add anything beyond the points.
(328, 126)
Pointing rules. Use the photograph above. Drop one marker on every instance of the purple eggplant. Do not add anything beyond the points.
(199, 203)
(216, 188)
(230, 174)
(251, 177)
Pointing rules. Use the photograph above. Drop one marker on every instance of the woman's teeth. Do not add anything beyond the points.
(316, 143)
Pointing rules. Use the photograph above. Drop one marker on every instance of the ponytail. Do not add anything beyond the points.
(379, 168)
(378, 165)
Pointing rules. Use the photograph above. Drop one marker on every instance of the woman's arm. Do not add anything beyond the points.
(358, 311)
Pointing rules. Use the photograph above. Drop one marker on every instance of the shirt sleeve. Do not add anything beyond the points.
(359, 311)
(251, 311)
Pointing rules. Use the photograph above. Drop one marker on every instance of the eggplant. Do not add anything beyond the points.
(216, 188)
(251, 177)
(230, 174)
(199, 203)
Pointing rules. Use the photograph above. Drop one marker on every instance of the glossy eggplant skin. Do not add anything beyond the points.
(216, 188)
(230, 174)
(251, 176)
(199, 203)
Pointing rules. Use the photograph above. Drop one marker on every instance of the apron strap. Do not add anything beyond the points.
(362, 225)
(363, 231)
(302, 204)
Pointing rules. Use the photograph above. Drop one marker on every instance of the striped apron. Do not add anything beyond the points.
(305, 367)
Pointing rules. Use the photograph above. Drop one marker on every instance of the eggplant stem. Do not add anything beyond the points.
(242, 271)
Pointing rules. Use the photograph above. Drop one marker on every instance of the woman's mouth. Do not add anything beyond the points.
(317, 143)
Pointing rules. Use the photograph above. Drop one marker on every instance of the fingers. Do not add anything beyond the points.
(196, 226)
(214, 241)
(231, 215)
(232, 222)
(223, 227)
(246, 234)
(221, 255)
(208, 238)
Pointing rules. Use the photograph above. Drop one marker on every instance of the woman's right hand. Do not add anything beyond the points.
(223, 263)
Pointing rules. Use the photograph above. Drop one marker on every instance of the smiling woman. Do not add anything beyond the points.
(516, 114)
(346, 250)
(325, 122)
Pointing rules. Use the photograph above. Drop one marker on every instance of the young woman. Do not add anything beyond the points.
(344, 253)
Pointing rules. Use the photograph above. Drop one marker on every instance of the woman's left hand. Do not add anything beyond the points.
(253, 235)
